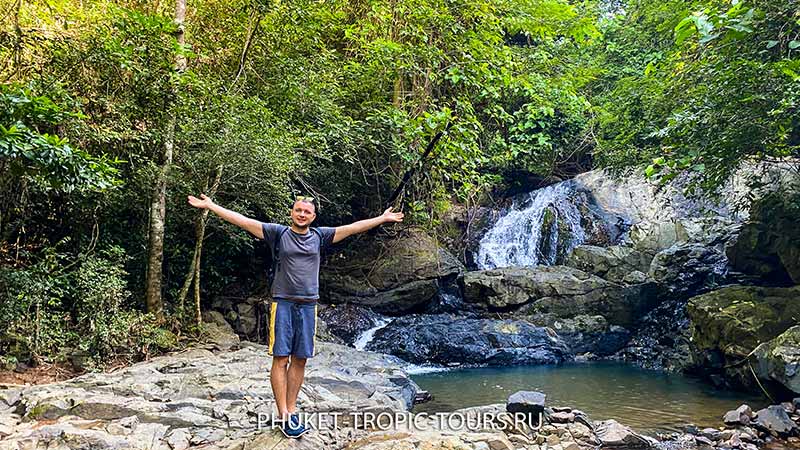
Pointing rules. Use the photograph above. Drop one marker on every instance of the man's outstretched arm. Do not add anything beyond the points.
(250, 225)
(367, 224)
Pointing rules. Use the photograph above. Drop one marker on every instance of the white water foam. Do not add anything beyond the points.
(365, 337)
(516, 238)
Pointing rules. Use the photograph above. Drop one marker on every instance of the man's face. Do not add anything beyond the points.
(303, 213)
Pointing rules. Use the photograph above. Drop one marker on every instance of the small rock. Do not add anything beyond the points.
(179, 439)
(207, 435)
(703, 442)
(614, 434)
(726, 434)
(571, 446)
(10, 396)
(530, 402)
(519, 439)
(562, 417)
(710, 433)
(788, 407)
(552, 439)
(738, 416)
(499, 443)
(562, 409)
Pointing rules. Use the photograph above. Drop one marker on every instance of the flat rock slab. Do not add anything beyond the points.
(199, 398)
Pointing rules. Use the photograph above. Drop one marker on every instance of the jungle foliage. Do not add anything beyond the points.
(338, 99)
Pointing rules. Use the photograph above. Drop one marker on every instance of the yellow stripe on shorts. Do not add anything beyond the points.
(273, 309)
(314, 342)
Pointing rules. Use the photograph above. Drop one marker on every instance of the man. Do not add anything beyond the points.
(295, 291)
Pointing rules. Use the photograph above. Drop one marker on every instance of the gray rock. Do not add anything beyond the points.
(774, 418)
(445, 339)
(178, 439)
(204, 398)
(527, 402)
(738, 416)
(615, 435)
(558, 290)
(615, 263)
(585, 334)
(10, 396)
(688, 269)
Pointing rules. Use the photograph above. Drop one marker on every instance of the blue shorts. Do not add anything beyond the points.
(292, 328)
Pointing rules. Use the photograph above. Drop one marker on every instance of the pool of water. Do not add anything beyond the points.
(647, 400)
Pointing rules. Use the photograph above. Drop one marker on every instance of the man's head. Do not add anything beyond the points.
(304, 211)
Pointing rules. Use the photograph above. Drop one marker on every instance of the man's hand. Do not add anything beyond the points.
(203, 202)
(389, 216)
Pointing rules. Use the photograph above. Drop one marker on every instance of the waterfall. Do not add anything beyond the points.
(365, 337)
(538, 229)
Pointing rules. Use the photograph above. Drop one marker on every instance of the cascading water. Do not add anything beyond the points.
(535, 230)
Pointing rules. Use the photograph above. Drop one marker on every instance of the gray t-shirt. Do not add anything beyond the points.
(297, 274)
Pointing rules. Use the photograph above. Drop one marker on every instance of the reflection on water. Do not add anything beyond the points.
(646, 400)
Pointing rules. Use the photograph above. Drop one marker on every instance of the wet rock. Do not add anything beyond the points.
(710, 433)
(774, 418)
(688, 269)
(739, 416)
(661, 340)
(585, 334)
(446, 339)
(348, 321)
(393, 276)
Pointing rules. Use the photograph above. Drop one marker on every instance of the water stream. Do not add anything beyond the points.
(534, 229)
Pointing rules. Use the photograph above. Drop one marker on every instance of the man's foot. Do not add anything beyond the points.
(292, 428)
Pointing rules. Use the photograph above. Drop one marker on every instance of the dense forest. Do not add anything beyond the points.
(112, 112)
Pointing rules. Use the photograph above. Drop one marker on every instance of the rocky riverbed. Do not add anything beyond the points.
(222, 400)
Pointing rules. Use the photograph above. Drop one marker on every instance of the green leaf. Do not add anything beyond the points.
(771, 44)
(794, 44)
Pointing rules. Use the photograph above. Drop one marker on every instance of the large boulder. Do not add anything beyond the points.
(388, 275)
(768, 244)
(616, 263)
(585, 334)
(559, 290)
(686, 269)
(779, 359)
(445, 339)
(729, 323)
(736, 319)
(661, 340)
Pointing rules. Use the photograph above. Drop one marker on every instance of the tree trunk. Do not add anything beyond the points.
(193, 275)
(158, 201)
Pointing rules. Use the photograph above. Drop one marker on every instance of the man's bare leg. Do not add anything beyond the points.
(297, 370)
(278, 379)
